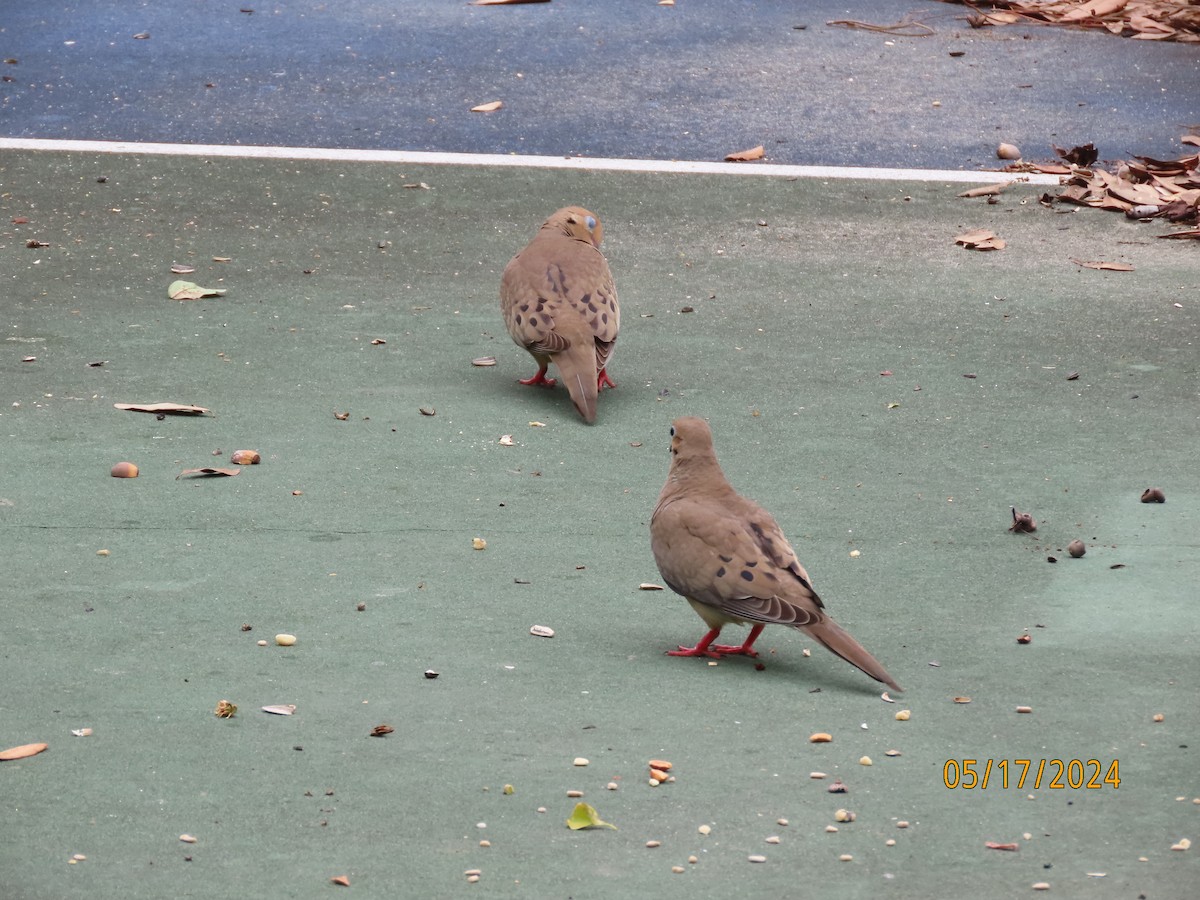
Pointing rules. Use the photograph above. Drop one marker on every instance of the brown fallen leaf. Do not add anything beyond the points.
(23, 751)
(987, 190)
(1101, 264)
(488, 107)
(206, 471)
(1083, 155)
(747, 155)
(179, 409)
(980, 239)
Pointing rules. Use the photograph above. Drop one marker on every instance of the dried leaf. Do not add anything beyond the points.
(187, 290)
(747, 155)
(206, 471)
(1101, 264)
(488, 107)
(25, 750)
(178, 409)
(987, 190)
(980, 239)
(585, 816)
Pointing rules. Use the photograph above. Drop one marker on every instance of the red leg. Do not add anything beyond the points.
(706, 647)
(539, 377)
(603, 381)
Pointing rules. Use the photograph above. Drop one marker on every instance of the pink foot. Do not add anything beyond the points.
(538, 378)
(706, 647)
(603, 381)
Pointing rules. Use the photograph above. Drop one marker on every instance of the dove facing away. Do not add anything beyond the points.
(727, 557)
(560, 304)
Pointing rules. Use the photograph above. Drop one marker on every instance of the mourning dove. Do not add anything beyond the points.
(559, 303)
(727, 556)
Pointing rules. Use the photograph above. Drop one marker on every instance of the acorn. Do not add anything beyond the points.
(1008, 151)
(1076, 548)
(1022, 523)
(1149, 495)
(124, 470)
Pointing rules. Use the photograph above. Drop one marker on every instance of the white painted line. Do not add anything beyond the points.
(416, 157)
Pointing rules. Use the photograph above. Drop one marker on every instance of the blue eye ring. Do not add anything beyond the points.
(591, 223)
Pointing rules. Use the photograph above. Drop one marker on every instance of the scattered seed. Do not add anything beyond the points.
(705, 829)
(817, 775)
(891, 753)
(283, 709)
(1041, 885)
(485, 843)
(658, 775)
(508, 790)
(890, 842)
(611, 786)
(432, 673)
(885, 698)
(903, 715)
(773, 839)
(1076, 548)
(472, 879)
(902, 824)
(678, 870)
(1182, 844)
(187, 838)
(124, 470)
(1153, 495)
(484, 361)
(820, 737)
(81, 732)
(547, 632)
(837, 787)
(992, 845)
(579, 761)
(865, 761)
(1024, 709)
(653, 844)
(1158, 717)
(225, 709)
(756, 858)
(285, 640)
(104, 553)
(245, 457)
(831, 829)
(381, 730)
(693, 859)
(470, 872)
(781, 821)
(574, 795)
(962, 699)
(844, 815)
(1024, 638)
(427, 411)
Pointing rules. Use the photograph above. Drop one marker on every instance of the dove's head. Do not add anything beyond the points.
(576, 222)
(691, 438)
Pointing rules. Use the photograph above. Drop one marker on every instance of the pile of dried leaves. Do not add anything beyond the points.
(1143, 188)
(1147, 20)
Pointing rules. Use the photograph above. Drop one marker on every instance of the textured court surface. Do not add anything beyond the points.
(803, 292)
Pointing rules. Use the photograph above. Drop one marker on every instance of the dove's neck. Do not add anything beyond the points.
(697, 473)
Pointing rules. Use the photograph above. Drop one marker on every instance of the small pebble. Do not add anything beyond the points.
(1158, 717)
(285, 640)
(693, 859)
(903, 715)
(485, 844)
(262, 643)
(865, 761)
(580, 761)
(902, 824)
(890, 842)
(362, 607)
(756, 858)
(479, 543)
(611, 786)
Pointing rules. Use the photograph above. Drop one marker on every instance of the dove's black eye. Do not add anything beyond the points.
(672, 431)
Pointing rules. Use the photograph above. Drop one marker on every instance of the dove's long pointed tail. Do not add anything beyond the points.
(577, 366)
(837, 640)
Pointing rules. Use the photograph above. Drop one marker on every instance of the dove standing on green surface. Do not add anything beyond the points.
(560, 304)
(728, 558)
